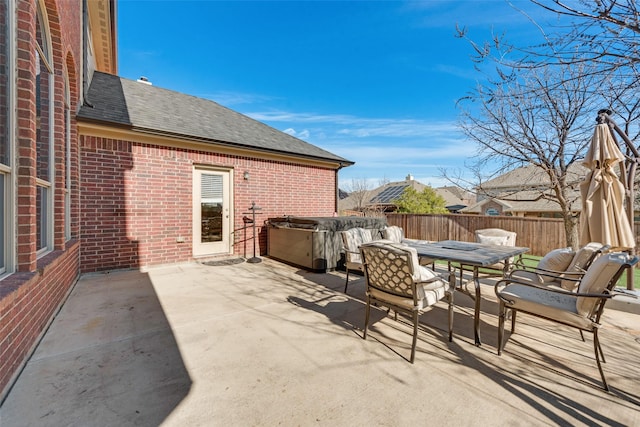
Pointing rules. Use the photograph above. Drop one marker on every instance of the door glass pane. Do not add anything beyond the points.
(211, 208)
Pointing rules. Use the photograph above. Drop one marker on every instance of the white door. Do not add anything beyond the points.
(211, 212)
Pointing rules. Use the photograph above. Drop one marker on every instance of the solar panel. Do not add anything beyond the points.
(389, 194)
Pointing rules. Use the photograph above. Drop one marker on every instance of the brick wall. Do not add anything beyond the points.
(30, 297)
(137, 200)
(28, 302)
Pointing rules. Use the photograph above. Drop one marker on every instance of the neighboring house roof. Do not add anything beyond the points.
(455, 198)
(387, 195)
(525, 201)
(114, 100)
(530, 176)
(519, 190)
(391, 192)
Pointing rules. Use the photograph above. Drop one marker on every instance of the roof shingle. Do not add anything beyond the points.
(118, 101)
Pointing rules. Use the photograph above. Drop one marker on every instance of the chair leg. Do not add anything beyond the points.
(513, 321)
(415, 336)
(450, 316)
(502, 314)
(367, 311)
(598, 351)
(581, 335)
(601, 353)
(346, 283)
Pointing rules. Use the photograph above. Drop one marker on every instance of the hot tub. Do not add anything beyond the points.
(314, 243)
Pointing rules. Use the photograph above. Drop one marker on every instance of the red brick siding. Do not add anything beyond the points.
(28, 301)
(30, 298)
(137, 199)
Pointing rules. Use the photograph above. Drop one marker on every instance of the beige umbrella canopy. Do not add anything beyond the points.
(603, 216)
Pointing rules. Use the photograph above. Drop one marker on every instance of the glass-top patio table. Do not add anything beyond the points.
(473, 255)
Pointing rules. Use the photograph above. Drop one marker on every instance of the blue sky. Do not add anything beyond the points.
(374, 82)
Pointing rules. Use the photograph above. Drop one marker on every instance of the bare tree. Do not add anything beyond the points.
(602, 32)
(540, 109)
(360, 192)
(540, 118)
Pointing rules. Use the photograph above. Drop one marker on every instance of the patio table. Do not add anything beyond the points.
(473, 255)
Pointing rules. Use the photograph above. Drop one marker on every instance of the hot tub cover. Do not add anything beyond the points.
(337, 223)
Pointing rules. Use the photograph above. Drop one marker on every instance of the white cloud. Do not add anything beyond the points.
(382, 148)
(302, 134)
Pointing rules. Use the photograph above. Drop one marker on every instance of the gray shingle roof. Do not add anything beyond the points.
(127, 103)
(529, 176)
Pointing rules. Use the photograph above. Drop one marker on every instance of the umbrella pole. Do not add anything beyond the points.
(631, 162)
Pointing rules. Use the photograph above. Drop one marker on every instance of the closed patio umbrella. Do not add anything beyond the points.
(603, 216)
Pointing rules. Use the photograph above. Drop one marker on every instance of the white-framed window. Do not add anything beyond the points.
(67, 159)
(492, 212)
(7, 136)
(44, 135)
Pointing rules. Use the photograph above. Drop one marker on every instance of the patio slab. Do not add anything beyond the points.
(269, 344)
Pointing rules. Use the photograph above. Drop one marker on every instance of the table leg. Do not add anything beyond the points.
(476, 317)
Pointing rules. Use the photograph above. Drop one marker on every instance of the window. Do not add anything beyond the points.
(6, 136)
(492, 212)
(67, 160)
(44, 132)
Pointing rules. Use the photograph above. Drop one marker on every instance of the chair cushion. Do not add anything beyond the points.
(352, 239)
(492, 240)
(393, 233)
(485, 236)
(529, 276)
(557, 260)
(429, 294)
(597, 279)
(578, 264)
(553, 305)
(393, 270)
(496, 236)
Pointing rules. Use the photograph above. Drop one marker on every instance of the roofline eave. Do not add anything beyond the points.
(339, 162)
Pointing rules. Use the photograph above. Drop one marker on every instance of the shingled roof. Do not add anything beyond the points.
(114, 100)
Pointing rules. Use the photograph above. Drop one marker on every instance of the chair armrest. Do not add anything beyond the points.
(442, 277)
(505, 282)
(553, 274)
(519, 263)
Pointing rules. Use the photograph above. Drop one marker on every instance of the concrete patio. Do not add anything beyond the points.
(269, 344)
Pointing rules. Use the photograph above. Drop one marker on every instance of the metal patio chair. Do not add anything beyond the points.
(561, 268)
(581, 309)
(351, 241)
(396, 280)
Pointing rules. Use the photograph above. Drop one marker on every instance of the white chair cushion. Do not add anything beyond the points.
(395, 273)
(597, 278)
(393, 233)
(528, 276)
(496, 236)
(485, 236)
(553, 305)
(352, 239)
(578, 263)
(556, 260)
(492, 240)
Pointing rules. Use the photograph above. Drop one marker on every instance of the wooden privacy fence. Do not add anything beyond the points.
(541, 235)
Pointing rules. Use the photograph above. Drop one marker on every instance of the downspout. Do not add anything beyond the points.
(337, 190)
